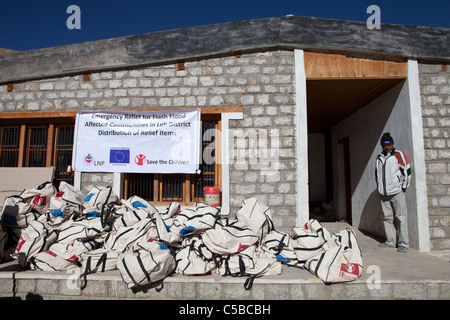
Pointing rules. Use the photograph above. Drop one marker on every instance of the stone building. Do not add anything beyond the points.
(301, 104)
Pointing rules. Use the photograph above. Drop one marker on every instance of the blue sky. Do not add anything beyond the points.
(26, 25)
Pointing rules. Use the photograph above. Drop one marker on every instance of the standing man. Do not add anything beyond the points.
(393, 176)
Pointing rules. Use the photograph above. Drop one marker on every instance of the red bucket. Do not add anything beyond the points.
(212, 196)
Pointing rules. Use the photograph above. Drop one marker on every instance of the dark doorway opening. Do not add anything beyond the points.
(328, 103)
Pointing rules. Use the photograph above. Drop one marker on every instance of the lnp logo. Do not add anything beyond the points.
(139, 160)
(88, 159)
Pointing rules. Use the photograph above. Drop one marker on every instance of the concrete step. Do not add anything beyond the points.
(387, 275)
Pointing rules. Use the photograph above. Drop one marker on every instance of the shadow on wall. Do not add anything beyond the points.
(364, 129)
(388, 113)
(371, 221)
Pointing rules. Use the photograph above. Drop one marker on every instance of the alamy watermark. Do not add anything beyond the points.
(374, 20)
(74, 20)
(374, 280)
(73, 282)
(257, 148)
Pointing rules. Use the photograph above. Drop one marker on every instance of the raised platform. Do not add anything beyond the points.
(387, 275)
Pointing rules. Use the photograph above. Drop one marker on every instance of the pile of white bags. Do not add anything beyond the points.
(331, 257)
(54, 230)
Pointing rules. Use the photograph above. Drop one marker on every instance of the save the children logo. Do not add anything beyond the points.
(139, 159)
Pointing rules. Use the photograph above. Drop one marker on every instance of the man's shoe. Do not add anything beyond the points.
(402, 249)
(385, 245)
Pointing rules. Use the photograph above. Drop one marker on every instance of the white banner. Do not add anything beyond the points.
(166, 141)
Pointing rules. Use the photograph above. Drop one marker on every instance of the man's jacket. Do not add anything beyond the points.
(392, 173)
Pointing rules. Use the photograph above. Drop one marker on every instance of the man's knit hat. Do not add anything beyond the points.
(386, 138)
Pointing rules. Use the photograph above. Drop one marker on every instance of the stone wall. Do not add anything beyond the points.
(435, 96)
(262, 83)
(269, 108)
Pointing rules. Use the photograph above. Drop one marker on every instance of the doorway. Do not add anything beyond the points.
(337, 87)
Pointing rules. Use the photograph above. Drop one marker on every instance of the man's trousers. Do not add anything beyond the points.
(395, 205)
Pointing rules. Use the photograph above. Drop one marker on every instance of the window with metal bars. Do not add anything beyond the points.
(63, 153)
(207, 178)
(186, 188)
(9, 148)
(35, 145)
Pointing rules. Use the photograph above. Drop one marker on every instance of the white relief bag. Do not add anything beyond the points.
(172, 211)
(347, 238)
(39, 197)
(309, 240)
(80, 229)
(17, 213)
(126, 216)
(125, 238)
(37, 237)
(3, 243)
(335, 264)
(167, 233)
(74, 250)
(50, 261)
(251, 263)
(195, 258)
(136, 202)
(281, 246)
(64, 204)
(196, 220)
(98, 260)
(97, 199)
(144, 267)
(229, 237)
(256, 216)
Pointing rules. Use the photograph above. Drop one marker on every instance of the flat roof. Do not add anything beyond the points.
(393, 42)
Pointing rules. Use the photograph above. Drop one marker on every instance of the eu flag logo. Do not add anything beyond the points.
(119, 155)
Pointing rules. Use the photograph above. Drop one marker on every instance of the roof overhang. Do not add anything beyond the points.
(392, 42)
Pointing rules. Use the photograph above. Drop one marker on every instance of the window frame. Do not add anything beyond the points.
(25, 121)
(12, 150)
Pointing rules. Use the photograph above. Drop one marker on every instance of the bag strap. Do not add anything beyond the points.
(225, 260)
(248, 284)
(129, 273)
(141, 265)
(102, 210)
(117, 238)
(42, 185)
(174, 255)
(228, 272)
(106, 217)
(241, 267)
(280, 245)
(88, 270)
